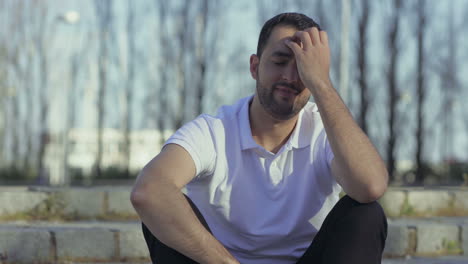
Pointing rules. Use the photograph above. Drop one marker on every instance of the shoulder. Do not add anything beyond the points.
(226, 117)
(232, 111)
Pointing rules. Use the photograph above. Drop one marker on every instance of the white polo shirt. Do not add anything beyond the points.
(263, 207)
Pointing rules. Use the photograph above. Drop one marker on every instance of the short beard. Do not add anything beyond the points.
(275, 109)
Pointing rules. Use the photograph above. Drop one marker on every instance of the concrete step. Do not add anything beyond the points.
(99, 241)
(425, 202)
(427, 237)
(426, 260)
(113, 203)
(84, 241)
(417, 260)
(39, 203)
(100, 224)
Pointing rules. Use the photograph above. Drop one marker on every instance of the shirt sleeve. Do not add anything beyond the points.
(195, 138)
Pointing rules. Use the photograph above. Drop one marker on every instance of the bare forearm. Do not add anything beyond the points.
(362, 170)
(357, 165)
(169, 216)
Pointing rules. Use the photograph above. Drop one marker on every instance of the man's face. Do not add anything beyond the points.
(279, 88)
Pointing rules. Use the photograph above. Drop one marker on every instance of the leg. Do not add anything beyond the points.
(351, 233)
(162, 254)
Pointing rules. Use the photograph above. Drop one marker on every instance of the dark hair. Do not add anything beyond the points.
(296, 20)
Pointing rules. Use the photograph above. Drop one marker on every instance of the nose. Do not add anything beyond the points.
(290, 73)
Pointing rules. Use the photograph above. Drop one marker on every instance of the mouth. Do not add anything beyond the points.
(286, 90)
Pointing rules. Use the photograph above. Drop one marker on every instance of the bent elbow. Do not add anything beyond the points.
(375, 191)
(370, 193)
(378, 187)
(138, 198)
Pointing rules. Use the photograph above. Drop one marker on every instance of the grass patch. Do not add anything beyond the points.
(407, 209)
(451, 247)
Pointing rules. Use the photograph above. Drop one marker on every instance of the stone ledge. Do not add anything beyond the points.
(421, 203)
(66, 204)
(426, 260)
(25, 242)
(427, 237)
(113, 203)
(123, 241)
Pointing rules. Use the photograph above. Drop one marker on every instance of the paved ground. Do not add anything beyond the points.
(442, 260)
(420, 236)
(415, 260)
(453, 220)
(418, 260)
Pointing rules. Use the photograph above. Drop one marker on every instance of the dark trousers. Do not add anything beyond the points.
(351, 233)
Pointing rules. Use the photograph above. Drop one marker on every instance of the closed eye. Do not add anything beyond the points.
(280, 63)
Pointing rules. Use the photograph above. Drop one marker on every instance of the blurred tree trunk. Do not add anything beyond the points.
(29, 118)
(200, 54)
(78, 65)
(42, 55)
(174, 32)
(30, 159)
(363, 26)
(15, 121)
(451, 89)
(343, 63)
(392, 82)
(72, 99)
(23, 25)
(15, 118)
(128, 98)
(3, 102)
(206, 40)
(16, 78)
(189, 44)
(183, 37)
(103, 10)
(421, 91)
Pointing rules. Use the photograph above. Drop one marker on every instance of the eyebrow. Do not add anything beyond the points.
(282, 54)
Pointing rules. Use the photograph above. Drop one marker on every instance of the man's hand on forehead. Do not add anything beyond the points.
(310, 48)
(298, 36)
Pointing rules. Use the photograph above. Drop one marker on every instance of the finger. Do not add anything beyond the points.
(305, 39)
(324, 37)
(314, 35)
(293, 46)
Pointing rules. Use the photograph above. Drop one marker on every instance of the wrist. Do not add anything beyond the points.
(318, 86)
(231, 261)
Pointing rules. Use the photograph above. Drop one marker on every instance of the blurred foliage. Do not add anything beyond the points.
(13, 174)
(78, 176)
(447, 173)
(457, 170)
(114, 173)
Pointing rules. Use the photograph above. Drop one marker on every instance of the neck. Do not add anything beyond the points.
(267, 131)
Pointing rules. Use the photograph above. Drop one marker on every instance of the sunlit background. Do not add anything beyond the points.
(89, 90)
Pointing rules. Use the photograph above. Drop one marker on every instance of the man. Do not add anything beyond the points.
(264, 174)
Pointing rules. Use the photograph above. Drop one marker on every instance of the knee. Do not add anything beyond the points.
(365, 215)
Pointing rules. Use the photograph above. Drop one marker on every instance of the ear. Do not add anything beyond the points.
(254, 62)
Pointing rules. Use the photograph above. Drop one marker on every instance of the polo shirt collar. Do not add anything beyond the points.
(247, 141)
(300, 137)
